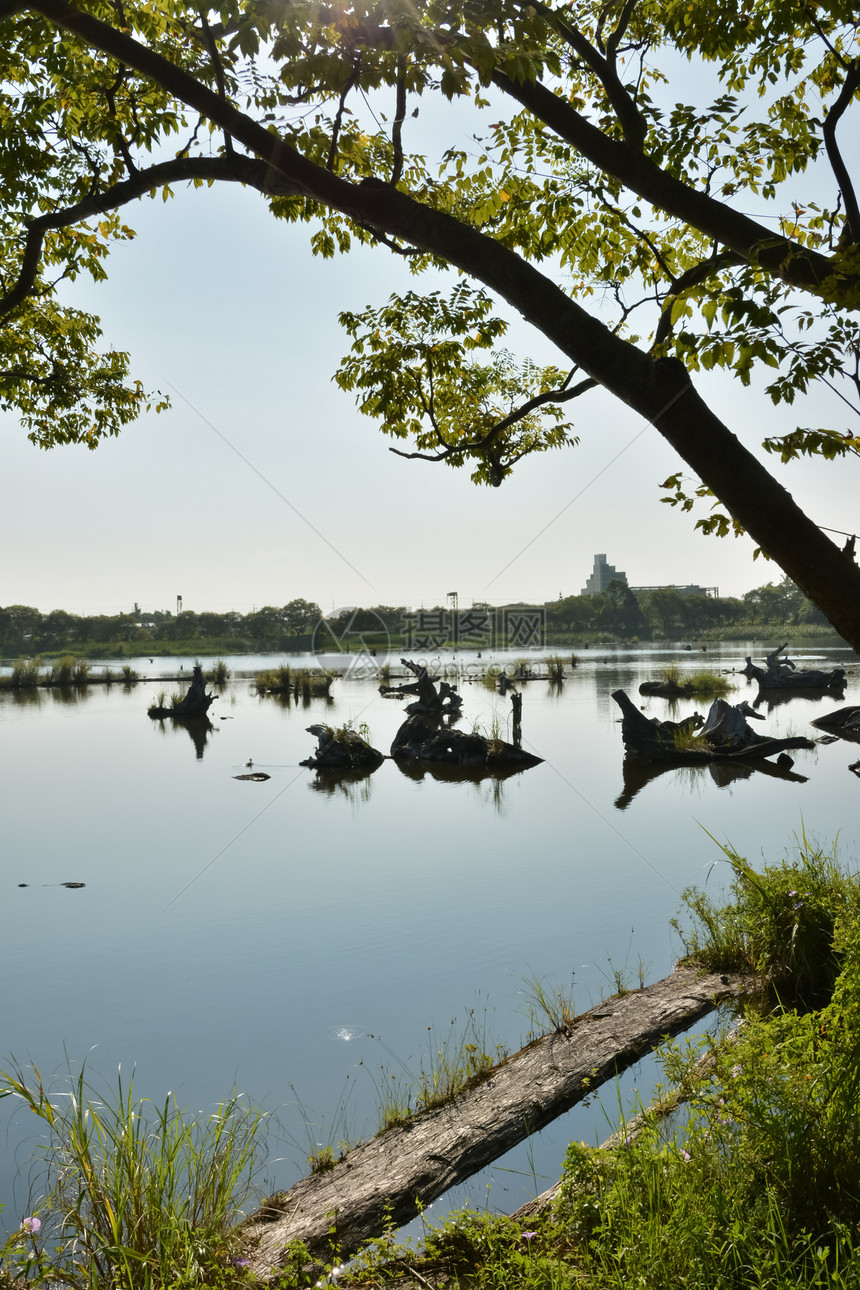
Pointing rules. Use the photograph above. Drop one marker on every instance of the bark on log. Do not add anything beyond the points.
(387, 1178)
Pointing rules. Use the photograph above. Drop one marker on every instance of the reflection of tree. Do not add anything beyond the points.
(198, 728)
(638, 774)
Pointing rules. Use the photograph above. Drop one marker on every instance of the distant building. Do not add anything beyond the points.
(691, 589)
(601, 576)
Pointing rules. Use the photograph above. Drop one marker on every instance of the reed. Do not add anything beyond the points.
(554, 667)
(63, 671)
(219, 673)
(26, 672)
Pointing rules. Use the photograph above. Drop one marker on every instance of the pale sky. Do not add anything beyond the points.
(226, 310)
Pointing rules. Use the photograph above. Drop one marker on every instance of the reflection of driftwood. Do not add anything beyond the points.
(385, 1180)
(725, 735)
(421, 739)
(782, 674)
(339, 750)
(449, 773)
(638, 774)
(199, 728)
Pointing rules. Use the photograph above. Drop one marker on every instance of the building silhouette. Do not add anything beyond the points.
(601, 576)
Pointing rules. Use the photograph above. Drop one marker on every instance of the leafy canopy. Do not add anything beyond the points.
(660, 188)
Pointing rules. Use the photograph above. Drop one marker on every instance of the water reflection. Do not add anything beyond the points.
(770, 699)
(638, 774)
(199, 729)
(72, 694)
(355, 785)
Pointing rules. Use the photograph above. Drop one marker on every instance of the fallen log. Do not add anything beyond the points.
(388, 1179)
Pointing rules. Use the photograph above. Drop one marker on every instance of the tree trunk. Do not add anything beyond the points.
(388, 1178)
(659, 390)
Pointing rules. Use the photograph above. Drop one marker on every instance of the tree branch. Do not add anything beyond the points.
(692, 278)
(631, 120)
(335, 133)
(755, 243)
(837, 164)
(563, 395)
(217, 67)
(235, 169)
(659, 390)
(399, 118)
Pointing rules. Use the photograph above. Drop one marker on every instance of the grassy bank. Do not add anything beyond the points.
(756, 1185)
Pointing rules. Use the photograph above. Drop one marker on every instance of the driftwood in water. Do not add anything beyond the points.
(339, 750)
(782, 674)
(446, 702)
(196, 702)
(845, 721)
(666, 690)
(725, 735)
(422, 739)
(387, 1178)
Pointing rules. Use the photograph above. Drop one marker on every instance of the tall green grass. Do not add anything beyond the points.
(135, 1195)
(780, 923)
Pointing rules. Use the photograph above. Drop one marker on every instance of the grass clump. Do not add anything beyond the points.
(274, 679)
(548, 1004)
(25, 672)
(63, 671)
(135, 1195)
(709, 684)
(459, 1059)
(780, 924)
(555, 667)
(219, 673)
(685, 739)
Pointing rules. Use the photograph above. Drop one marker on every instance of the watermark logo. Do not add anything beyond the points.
(357, 636)
(429, 630)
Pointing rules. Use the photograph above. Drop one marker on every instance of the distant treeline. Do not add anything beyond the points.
(617, 613)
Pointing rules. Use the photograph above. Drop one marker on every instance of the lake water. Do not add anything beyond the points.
(273, 936)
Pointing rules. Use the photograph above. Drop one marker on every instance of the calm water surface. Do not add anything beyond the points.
(274, 936)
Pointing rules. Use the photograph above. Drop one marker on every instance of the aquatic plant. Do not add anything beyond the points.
(709, 684)
(26, 672)
(129, 675)
(219, 673)
(133, 1194)
(63, 671)
(554, 667)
